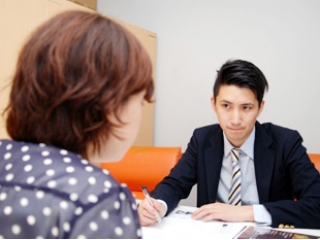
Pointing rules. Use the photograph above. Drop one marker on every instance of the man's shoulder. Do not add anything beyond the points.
(273, 128)
(208, 129)
(276, 133)
(208, 134)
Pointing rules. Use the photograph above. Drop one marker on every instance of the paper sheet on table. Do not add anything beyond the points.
(179, 225)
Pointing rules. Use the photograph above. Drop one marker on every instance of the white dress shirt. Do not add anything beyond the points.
(249, 192)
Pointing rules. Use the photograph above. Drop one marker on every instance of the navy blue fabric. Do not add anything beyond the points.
(47, 192)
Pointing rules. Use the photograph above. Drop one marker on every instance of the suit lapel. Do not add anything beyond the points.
(213, 157)
(264, 158)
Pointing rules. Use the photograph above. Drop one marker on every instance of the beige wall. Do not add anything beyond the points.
(18, 18)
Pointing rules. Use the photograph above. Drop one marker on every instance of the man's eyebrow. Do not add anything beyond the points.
(243, 104)
(250, 104)
(225, 101)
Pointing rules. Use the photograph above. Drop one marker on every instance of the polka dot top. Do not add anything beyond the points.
(47, 192)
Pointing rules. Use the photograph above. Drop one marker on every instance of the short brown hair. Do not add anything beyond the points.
(73, 71)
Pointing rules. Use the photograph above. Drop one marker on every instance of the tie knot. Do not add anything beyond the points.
(235, 154)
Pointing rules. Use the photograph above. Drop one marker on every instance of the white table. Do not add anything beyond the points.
(179, 225)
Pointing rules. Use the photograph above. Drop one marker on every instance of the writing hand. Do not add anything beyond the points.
(147, 213)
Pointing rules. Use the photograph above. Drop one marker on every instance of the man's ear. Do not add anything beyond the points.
(261, 107)
(213, 104)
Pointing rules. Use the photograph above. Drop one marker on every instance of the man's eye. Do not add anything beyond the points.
(246, 108)
(226, 106)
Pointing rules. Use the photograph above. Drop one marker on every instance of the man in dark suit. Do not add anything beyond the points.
(277, 184)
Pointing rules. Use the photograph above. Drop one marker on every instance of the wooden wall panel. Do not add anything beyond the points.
(18, 18)
(87, 3)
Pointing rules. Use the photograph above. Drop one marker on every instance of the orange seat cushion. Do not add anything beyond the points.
(315, 158)
(143, 166)
(138, 195)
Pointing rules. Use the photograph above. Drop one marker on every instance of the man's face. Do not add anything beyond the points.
(237, 110)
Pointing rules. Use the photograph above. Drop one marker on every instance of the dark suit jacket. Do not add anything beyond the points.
(283, 172)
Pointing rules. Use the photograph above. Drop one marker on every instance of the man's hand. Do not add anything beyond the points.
(224, 212)
(147, 213)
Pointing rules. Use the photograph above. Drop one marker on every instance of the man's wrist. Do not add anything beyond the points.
(164, 204)
(247, 214)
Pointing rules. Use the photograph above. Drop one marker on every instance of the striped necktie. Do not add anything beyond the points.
(235, 189)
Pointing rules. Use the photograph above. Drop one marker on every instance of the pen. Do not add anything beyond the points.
(147, 195)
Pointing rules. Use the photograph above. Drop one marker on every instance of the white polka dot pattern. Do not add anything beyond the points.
(31, 220)
(30, 179)
(7, 156)
(93, 226)
(104, 214)
(49, 184)
(73, 197)
(7, 210)
(47, 161)
(78, 211)
(16, 229)
(24, 202)
(46, 211)
(3, 196)
(66, 227)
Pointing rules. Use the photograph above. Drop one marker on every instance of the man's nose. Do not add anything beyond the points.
(235, 117)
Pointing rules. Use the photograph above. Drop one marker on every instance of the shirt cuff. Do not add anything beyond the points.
(165, 205)
(261, 215)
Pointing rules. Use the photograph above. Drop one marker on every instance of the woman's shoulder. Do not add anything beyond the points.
(56, 170)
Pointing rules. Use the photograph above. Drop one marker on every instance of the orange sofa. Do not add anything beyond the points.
(143, 166)
(149, 165)
(315, 158)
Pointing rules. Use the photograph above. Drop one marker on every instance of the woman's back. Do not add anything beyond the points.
(52, 193)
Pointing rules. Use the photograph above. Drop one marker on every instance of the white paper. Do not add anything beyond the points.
(180, 225)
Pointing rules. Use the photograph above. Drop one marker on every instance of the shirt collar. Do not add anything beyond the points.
(247, 146)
